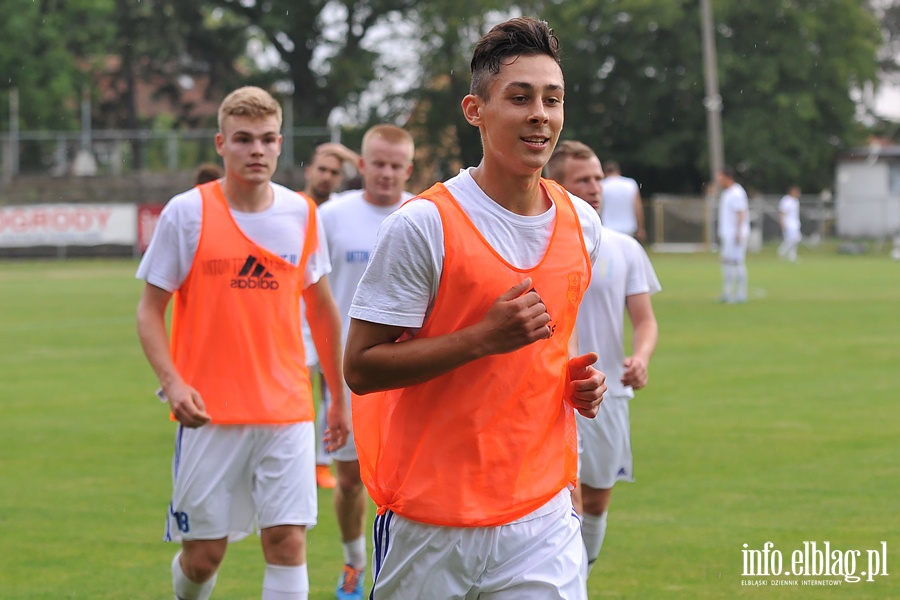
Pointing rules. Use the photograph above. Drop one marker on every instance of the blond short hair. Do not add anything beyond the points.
(249, 101)
(566, 149)
(390, 134)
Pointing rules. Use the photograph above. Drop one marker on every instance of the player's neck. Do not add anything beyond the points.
(519, 194)
(318, 199)
(380, 201)
(247, 197)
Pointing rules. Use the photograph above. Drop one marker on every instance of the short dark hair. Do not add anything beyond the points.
(522, 36)
(207, 172)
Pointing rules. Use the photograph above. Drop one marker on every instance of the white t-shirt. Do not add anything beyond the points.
(732, 202)
(789, 207)
(617, 211)
(280, 229)
(622, 269)
(401, 281)
(351, 228)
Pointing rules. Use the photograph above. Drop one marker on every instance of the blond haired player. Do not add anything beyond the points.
(234, 256)
(351, 220)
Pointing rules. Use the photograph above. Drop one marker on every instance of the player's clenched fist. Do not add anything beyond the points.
(587, 385)
(517, 318)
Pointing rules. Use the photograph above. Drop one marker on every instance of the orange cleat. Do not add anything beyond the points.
(324, 478)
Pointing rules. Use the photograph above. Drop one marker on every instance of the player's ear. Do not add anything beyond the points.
(471, 106)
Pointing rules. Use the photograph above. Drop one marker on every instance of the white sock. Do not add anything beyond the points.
(593, 530)
(741, 272)
(727, 280)
(355, 553)
(282, 582)
(184, 588)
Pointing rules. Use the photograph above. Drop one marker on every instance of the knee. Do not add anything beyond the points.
(200, 563)
(595, 508)
(596, 501)
(284, 545)
(348, 479)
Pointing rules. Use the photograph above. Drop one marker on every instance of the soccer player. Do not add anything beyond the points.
(789, 219)
(323, 176)
(459, 340)
(351, 221)
(207, 172)
(623, 280)
(236, 255)
(734, 234)
(623, 209)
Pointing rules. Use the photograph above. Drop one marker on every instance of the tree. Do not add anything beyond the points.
(789, 74)
(448, 32)
(321, 46)
(39, 56)
(158, 46)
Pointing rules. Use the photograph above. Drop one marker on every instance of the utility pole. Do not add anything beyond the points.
(713, 103)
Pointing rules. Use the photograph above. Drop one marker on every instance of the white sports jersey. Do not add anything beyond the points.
(351, 228)
(404, 272)
(280, 229)
(622, 269)
(732, 202)
(617, 212)
(790, 208)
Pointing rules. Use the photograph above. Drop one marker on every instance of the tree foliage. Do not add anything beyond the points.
(41, 54)
(321, 47)
(633, 69)
(635, 87)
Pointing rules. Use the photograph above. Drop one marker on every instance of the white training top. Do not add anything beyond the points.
(622, 269)
(733, 201)
(790, 208)
(351, 229)
(401, 281)
(617, 211)
(280, 229)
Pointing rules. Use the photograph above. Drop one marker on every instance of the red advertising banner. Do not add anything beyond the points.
(67, 225)
(147, 218)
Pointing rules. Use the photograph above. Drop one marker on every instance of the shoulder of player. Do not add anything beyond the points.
(341, 201)
(611, 237)
(186, 203)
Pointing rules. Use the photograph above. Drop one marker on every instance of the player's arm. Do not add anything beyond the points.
(741, 216)
(643, 341)
(641, 233)
(325, 326)
(346, 154)
(184, 401)
(375, 360)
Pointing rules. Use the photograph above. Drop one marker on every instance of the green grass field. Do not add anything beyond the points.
(777, 420)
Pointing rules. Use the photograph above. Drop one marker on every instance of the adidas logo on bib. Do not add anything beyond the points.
(254, 276)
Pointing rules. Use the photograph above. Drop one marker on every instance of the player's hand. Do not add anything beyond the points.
(337, 421)
(587, 385)
(635, 373)
(641, 235)
(187, 405)
(515, 319)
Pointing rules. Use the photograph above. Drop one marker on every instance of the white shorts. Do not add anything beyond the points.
(538, 557)
(733, 252)
(791, 235)
(604, 445)
(346, 453)
(229, 480)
